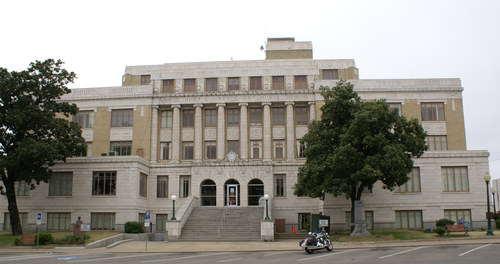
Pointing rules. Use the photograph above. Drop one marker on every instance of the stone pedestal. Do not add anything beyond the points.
(173, 230)
(77, 230)
(359, 220)
(267, 230)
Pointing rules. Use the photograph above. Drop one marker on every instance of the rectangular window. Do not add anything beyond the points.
(432, 111)
(278, 116)
(233, 116)
(145, 79)
(279, 149)
(23, 218)
(162, 187)
(211, 84)
(409, 220)
(104, 183)
(210, 150)
(300, 149)
(300, 82)
(188, 118)
(211, 117)
(122, 117)
(166, 119)
(87, 152)
(161, 222)
(234, 146)
(142, 218)
(143, 185)
(102, 221)
(304, 221)
(413, 184)
(395, 106)
(436, 143)
(368, 220)
(301, 115)
(456, 215)
(168, 86)
(278, 82)
(187, 150)
(255, 83)
(84, 119)
(189, 85)
(279, 185)
(255, 116)
(61, 184)
(330, 74)
(21, 188)
(185, 186)
(233, 84)
(256, 149)
(455, 179)
(59, 221)
(120, 148)
(166, 151)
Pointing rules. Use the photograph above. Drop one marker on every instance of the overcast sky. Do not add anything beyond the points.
(387, 39)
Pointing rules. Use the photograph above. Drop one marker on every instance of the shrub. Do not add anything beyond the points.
(71, 239)
(443, 222)
(440, 230)
(133, 227)
(45, 238)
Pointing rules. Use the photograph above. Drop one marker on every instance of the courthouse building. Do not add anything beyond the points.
(226, 133)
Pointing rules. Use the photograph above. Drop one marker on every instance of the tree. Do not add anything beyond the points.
(35, 130)
(355, 144)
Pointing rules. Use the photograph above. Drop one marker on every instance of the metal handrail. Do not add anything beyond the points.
(221, 223)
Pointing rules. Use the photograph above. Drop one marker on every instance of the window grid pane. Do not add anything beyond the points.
(168, 86)
(233, 116)
(437, 143)
(409, 219)
(300, 82)
(121, 148)
(210, 150)
(162, 187)
(255, 116)
(301, 115)
(278, 148)
(187, 150)
(61, 184)
(278, 83)
(279, 185)
(233, 84)
(455, 179)
(188, 118)
(104, 183)
(278, 116)
(166, 119)
(211, 84)
(330, 74)
(189, 85)
(413, 184)
(161, 222)
(210, 117)
(255, 83)
(185, 186)
(234, 146)
(143, 185)
(122, 117)
(58, 221)
(165, 150)
(432, 111)
(102, 221)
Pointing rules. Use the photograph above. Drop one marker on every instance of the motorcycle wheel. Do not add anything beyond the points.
(308, 251)
(330, 246)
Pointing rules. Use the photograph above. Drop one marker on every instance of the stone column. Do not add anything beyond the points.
(154, 135)
(243, 131)
(221, 131)
(176, 133)
(359, 219)
(198, 125)
(290, 132)
(312, 111)
(267, 133)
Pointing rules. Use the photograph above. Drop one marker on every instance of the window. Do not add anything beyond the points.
(409, 220)
(188, 118)
(330, 74)
(166, 151)
(166, 119)
(168, 86)
(278, 147)
(87, 152)
(432, 111)
(255, 83)
(210, 150)
(161, 222)
(21, 188)
(278, 116)
(84, 119)
(59, 221)
(456, 215)
(300, 82)
(436, 143)
(234, 146)
(368, 220)
(143, 185)
(120, 148)
(300, 149)
(122, 118)
(23, 218)
(233, 84)
(61, 184)
(208, 193)
(255, 116)
(301, 115)
(142, 218)
(395, 106)
(102, 221)
(145, 79)
(278, 83)
(413, 184)
(184, 186)
(279, 185)
(455, 179)
(162, 187)
(233, 116)
(256, 149)
(211, 117)
(189, 85)
(304, 221)
(187, 150)
(211, 84)
(104, 183)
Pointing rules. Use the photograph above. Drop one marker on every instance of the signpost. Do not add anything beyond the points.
(146, 224)
(38, 223)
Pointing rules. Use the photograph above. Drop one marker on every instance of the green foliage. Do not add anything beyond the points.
(45, 238)
(443, 222)
(133, 227)
(71, 239)
(440, 230)
(498, 223)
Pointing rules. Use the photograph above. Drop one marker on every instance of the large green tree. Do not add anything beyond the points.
(35, 130)
(355, 144)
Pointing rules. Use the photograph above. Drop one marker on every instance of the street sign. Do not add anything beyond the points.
(148, 217)
(85, 227)
(39, 218)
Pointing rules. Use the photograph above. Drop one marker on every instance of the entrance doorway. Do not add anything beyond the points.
(232, 193)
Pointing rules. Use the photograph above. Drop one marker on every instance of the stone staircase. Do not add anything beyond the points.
(242, 223)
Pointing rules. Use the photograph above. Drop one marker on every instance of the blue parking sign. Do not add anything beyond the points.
(148, 215)
(39, 218)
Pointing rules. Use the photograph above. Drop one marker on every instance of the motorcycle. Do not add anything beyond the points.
(316, 241)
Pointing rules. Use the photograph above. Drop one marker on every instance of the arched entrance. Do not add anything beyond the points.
(208, 191)
(255, 191)
(232, 193)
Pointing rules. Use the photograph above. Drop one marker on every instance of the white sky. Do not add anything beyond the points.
(387, 39)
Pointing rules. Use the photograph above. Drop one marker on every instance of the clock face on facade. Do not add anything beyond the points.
(231, 156)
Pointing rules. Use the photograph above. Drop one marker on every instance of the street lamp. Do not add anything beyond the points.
(173, 197)
(487, 179)
(494, 204)
(266, 197)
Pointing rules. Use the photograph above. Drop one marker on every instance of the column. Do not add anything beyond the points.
(312, 111)
(198, 126)
(176, 133)
(290, 132)
(154, 135)
(243, 131)
(221, 131)
(267, 133)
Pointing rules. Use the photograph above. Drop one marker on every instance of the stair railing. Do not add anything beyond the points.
(221, 223)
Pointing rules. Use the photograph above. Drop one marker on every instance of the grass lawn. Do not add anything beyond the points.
(7, 239)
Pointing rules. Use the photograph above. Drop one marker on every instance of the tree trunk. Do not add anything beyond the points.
(15, 223)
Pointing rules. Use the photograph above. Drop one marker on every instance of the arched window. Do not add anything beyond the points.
(255, 191)
(208, 193)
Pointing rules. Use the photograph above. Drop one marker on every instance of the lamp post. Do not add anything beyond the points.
(487, 179)
(173, 197)
(494, 204)
(266, 197)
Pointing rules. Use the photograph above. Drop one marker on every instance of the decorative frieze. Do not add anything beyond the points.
(188, 134)
(435, 127)
(88, 134)
(121, 134)
(233, 133)
(165, 135)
